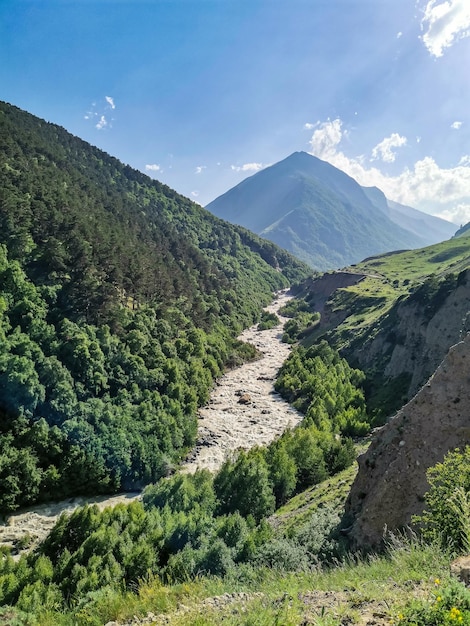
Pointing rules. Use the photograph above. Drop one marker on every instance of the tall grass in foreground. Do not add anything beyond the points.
(381, 585)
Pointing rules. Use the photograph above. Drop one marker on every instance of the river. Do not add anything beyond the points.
(243, 411)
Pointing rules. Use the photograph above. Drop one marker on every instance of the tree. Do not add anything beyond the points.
(447, 515)
(243, 485)
(282, 471)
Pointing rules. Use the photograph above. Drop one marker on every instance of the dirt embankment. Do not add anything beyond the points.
(391, 481)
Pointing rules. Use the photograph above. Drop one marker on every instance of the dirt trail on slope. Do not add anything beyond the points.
(224, 426)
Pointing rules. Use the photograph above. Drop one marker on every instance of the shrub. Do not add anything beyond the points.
(446, 518)
(449, 604)
(182, 492)
(283, 554)
(243, 485)
(268, 320)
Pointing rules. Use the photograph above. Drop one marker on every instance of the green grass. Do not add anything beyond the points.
(388, 277)
(415, 265)
(343, 594)
(351, 591)
(330, 493)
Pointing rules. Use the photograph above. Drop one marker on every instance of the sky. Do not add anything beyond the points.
(200, 94)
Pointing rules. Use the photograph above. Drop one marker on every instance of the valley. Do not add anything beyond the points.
(132, 363)
(224, 426)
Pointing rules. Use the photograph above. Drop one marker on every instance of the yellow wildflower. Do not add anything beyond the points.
(455, 613)
(437, 581)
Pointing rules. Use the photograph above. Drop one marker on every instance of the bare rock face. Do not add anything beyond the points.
(391, 481)
(419, 340)
(460, 568)
(325, 285)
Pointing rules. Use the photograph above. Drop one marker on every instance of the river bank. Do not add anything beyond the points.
(244, 410)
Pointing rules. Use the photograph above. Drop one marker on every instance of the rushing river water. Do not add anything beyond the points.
(243, 411)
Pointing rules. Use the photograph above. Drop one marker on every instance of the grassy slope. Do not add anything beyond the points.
(330, 493)
(352, 593)
(357, 591)
(389, 277)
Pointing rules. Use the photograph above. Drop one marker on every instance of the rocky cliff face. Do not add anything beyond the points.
(414, 337)
(391, 482)
(324, 287)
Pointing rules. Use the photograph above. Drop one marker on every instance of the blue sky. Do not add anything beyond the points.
(202, 93)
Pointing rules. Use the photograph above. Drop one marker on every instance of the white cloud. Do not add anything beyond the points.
(309, 126)
(456, 125)
(326, 138)
(153, 167)
(98, 114)
(200, 169)
(384, 149)
(248, 167)
(399, 35)
(102, 123)
(194, 194)
(444, 23)
(425, 185)
(460, 214)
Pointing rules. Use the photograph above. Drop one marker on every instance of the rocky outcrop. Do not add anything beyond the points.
(391, 481)
(325, 285)
(460, 568)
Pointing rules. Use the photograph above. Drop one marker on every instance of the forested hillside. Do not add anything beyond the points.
(119, 304)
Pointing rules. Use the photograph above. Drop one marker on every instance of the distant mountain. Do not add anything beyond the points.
(322, 215)
(427, 227)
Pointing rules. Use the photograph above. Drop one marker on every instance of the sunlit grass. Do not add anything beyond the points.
(331, 492)
(379, 584)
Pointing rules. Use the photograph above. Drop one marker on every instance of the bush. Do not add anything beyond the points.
(268, 320)
(449, 604)
(182, 493)
(243, 485)
(446, 518)
(283, 554)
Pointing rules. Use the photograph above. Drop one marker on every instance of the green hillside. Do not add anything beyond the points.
(392, 276)
(119, 303)
(396, 322)
(297, 572)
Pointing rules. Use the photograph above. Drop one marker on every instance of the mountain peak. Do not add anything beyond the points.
(317, 212)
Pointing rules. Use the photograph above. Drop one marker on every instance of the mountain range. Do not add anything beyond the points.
(323, 216)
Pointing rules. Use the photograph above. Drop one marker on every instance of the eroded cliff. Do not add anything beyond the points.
(391, 481)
